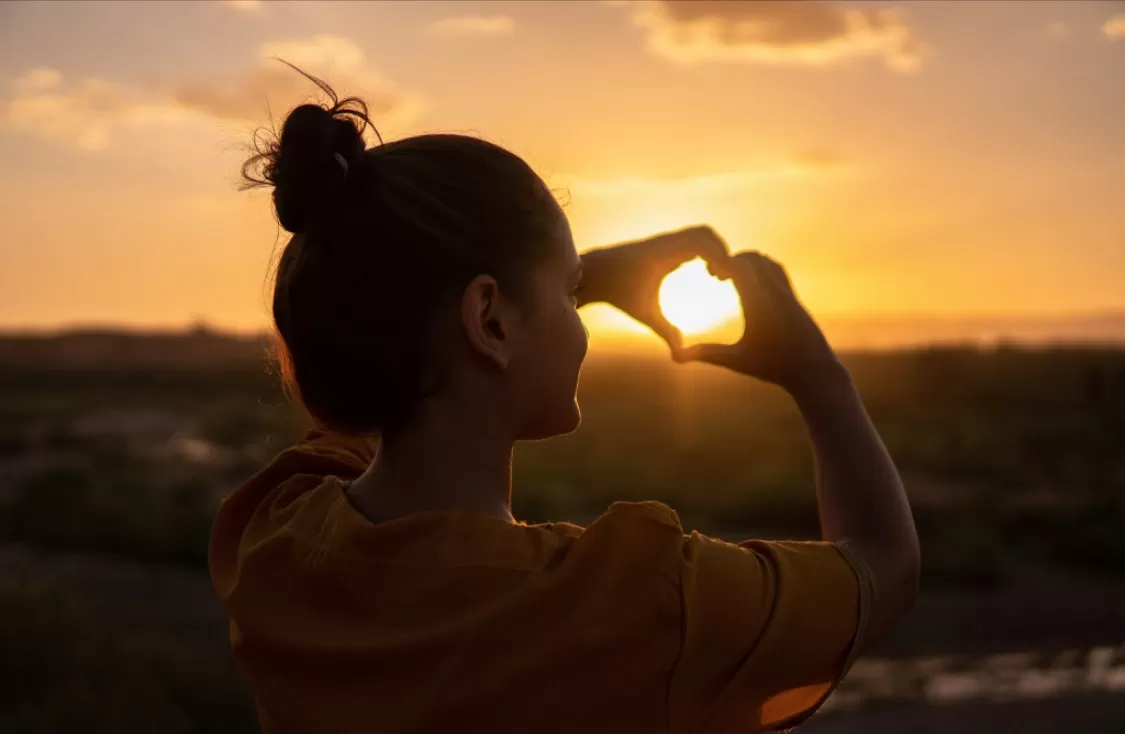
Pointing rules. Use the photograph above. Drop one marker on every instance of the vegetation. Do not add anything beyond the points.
(1011, 456)
(1007, 452)
(69, 668)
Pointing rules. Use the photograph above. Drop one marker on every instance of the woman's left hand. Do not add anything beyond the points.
(628, 275)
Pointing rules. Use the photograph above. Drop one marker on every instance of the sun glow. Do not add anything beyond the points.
(695, 302)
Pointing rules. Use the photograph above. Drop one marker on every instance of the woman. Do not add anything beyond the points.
(429, 296)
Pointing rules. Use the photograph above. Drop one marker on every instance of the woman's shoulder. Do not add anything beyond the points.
(637, 519)
(630, 539)
(618, 514)
(643, 512)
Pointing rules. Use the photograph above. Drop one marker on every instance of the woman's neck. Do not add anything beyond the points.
(442, 461)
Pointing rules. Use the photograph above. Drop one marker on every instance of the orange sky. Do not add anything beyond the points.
(932, 158)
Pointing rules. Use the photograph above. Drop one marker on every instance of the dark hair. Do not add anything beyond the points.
(385, 241)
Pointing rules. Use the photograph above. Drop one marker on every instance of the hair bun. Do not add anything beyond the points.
(306, 169)
(309, 159)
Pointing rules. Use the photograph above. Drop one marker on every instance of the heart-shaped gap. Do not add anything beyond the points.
(702, 307)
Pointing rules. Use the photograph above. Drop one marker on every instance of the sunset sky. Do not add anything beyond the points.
(936, 158)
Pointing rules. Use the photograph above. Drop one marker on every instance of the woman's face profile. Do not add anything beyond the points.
(545, 367)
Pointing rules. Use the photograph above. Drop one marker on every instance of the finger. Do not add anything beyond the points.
(773, 279)
(719, 268)
(707, 244)
(777, 272)
(751, 279)
(720, 355)
(699, 241)
(666, 331)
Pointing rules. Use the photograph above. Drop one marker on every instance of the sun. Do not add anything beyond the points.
(695, 302)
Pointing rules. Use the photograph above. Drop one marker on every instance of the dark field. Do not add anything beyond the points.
(114, 451)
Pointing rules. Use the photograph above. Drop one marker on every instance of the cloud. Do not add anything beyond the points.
(817, 159)
(1058, 30)
(87, 112)
(641, 187)
(81, 113)
(801, 163)
(274, 86)
(811, 33)
(1114, 27)
(39, 79)
(245, 6)
(473, 25)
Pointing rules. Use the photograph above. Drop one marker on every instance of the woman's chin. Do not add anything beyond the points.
(574, 419)
(560, 423)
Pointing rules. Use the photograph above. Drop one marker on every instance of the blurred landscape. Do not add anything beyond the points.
(116, 447)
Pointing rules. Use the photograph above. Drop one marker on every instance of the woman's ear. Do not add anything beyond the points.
(486, 317)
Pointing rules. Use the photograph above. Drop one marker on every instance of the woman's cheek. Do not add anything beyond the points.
(580, 335)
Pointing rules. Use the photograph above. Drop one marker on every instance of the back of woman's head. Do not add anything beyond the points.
(385, 241)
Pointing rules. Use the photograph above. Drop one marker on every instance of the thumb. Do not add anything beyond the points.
(666, 331)
(717, 354)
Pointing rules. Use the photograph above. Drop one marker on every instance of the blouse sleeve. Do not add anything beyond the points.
(768, 630)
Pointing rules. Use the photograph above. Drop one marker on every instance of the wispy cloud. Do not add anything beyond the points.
(1058, 30)
(813, 161)
(473, 25)
(776, 32)
(86, 112)
(39, 80)
(245, 6)
(82, 113)
(1114, 27)
(272, 85)
(818, 159)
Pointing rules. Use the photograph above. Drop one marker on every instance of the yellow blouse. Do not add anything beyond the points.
(458, 622)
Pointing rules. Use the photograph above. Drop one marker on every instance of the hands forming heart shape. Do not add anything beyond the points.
(629, 275)
(780, 344)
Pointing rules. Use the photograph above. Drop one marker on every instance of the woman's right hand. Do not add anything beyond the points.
(781, 343)
(861, 501)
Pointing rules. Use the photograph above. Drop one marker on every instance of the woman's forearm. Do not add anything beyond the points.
(860, 494)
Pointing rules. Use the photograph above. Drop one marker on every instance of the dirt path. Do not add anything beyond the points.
(1088, 715)
(1040, 609)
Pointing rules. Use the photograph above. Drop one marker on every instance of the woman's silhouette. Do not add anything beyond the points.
(429, 297)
